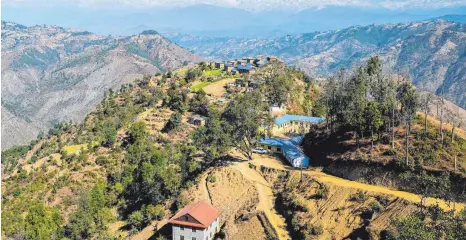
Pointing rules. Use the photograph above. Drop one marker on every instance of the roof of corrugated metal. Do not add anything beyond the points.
(290, 148)
(288, 117)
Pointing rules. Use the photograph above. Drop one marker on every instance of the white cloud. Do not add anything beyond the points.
(253, 5)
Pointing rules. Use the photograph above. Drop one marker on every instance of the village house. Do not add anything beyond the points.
(277, 110)
(219, 65)
(250, 60)
(228, 67)
(197, 120)
(241, 62)
(248, 68)
(294, 123)
(291, 124)
(198, 221)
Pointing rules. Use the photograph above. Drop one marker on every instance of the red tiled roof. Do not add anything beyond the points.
(202, 211)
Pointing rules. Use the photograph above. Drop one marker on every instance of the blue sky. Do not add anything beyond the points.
(261, 18)
(251, 5)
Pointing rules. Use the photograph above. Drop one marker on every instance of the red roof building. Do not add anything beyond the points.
(196, 221)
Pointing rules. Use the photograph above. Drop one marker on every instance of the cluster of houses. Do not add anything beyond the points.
(244, 65)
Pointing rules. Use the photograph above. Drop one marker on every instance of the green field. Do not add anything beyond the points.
(73, 149)
(213, 73)
(202, 85)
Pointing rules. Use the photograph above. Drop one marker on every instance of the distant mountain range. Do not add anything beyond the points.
(51, 74)
(215, 21)
(432, 52)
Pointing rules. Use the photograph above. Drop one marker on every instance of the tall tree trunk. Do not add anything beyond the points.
(453, 133)
(372, 138)
(407, 143)
(357, 137)
(425, 121)
(393, 128)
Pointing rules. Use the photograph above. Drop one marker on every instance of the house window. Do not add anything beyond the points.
(270, 148)
(181, 228)
(194, 238)
(181, 237)
(194, 230)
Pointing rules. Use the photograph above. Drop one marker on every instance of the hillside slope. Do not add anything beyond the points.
(52, 74)
(432, 51)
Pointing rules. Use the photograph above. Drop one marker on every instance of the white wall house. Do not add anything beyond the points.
(199, 221)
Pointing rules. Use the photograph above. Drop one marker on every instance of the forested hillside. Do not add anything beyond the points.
(379, 129)
(132, 156)
(138, 158)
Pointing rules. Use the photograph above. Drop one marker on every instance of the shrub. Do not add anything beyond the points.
(136, 219)
(390, 152)
(314, 229)
(383, 200)
(360, 197)
(101, 160)
(375, 206)
(154, 212)
(211, 178)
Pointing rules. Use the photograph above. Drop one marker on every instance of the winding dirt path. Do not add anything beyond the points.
(266, 199)
(326, 178)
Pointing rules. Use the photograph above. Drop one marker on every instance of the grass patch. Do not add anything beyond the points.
(73, 149)
(213, 73)
(202, 85)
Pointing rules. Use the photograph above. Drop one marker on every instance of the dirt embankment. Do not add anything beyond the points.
(237, 197)
(317, 210)
(388, 175)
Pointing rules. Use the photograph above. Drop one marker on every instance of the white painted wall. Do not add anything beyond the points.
(199, 234)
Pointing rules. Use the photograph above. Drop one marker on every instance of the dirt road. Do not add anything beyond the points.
(266, 199)
(271, 162)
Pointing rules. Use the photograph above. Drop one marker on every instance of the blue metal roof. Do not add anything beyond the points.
(290, 150)
(245, 67)
(287, 118)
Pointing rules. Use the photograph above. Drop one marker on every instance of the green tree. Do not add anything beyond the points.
(42, 222)
(136, 220)
(373, 119)
(173, 123)
(245, 114)
(213, 138)
(199, 103)
(408, 98)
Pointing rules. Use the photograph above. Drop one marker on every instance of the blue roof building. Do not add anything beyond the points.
(288, 118)
(245, 69)
(290, 149)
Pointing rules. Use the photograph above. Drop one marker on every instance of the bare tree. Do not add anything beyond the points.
(454, 117)
(426, 101)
